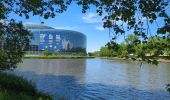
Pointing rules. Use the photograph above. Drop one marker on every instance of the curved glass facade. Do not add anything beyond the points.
(56, 40)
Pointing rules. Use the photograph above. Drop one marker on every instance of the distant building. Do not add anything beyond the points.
(50, 39)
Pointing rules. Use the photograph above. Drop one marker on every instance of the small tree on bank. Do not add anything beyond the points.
(14, 40)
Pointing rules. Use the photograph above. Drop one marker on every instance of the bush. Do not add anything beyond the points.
(11, 82)
(47, 53)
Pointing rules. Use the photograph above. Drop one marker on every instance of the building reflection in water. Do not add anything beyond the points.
(66, 67)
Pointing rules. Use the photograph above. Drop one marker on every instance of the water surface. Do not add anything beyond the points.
(97, 79)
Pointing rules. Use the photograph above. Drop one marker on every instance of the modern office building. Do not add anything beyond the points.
(50, 39)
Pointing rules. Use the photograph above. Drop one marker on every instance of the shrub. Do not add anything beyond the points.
(14, 84)
(47, 53)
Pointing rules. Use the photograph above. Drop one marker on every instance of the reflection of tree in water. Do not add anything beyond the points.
(73, 50)
(66, 45)
(73, 67)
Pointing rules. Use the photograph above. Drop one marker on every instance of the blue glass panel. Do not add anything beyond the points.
(53, 40)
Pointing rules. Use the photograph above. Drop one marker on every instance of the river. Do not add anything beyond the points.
(97, 79)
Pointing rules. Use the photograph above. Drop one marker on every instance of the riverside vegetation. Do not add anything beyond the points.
(129, 50)
(17, 88)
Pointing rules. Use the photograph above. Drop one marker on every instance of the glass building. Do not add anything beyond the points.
(50, 39)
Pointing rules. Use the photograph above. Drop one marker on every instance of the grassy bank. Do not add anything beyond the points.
(57, 57)
(16, 88)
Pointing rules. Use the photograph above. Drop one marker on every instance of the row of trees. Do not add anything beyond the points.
(132, 48)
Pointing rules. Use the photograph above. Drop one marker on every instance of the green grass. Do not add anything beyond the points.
(17, 88)
(57, 57)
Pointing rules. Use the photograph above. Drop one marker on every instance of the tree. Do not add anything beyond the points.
(105, 51)
(157, 46)
(130, 14)
(14, 40)
(123, 52)
(145, 51)
(131, 41)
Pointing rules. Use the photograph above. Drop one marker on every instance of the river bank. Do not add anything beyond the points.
(57, 57)
(161, 59)
(166, 60)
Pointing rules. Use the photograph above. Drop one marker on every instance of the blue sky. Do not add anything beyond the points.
(90, 24)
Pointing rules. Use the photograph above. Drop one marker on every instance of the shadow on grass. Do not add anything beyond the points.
(68, 88)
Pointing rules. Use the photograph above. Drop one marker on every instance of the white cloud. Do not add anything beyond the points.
(100, 28)
(92, 18)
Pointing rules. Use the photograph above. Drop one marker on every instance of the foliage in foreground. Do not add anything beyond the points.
(16, 88)
(14, 39)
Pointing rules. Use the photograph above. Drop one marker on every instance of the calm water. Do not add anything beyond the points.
(97, 79)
